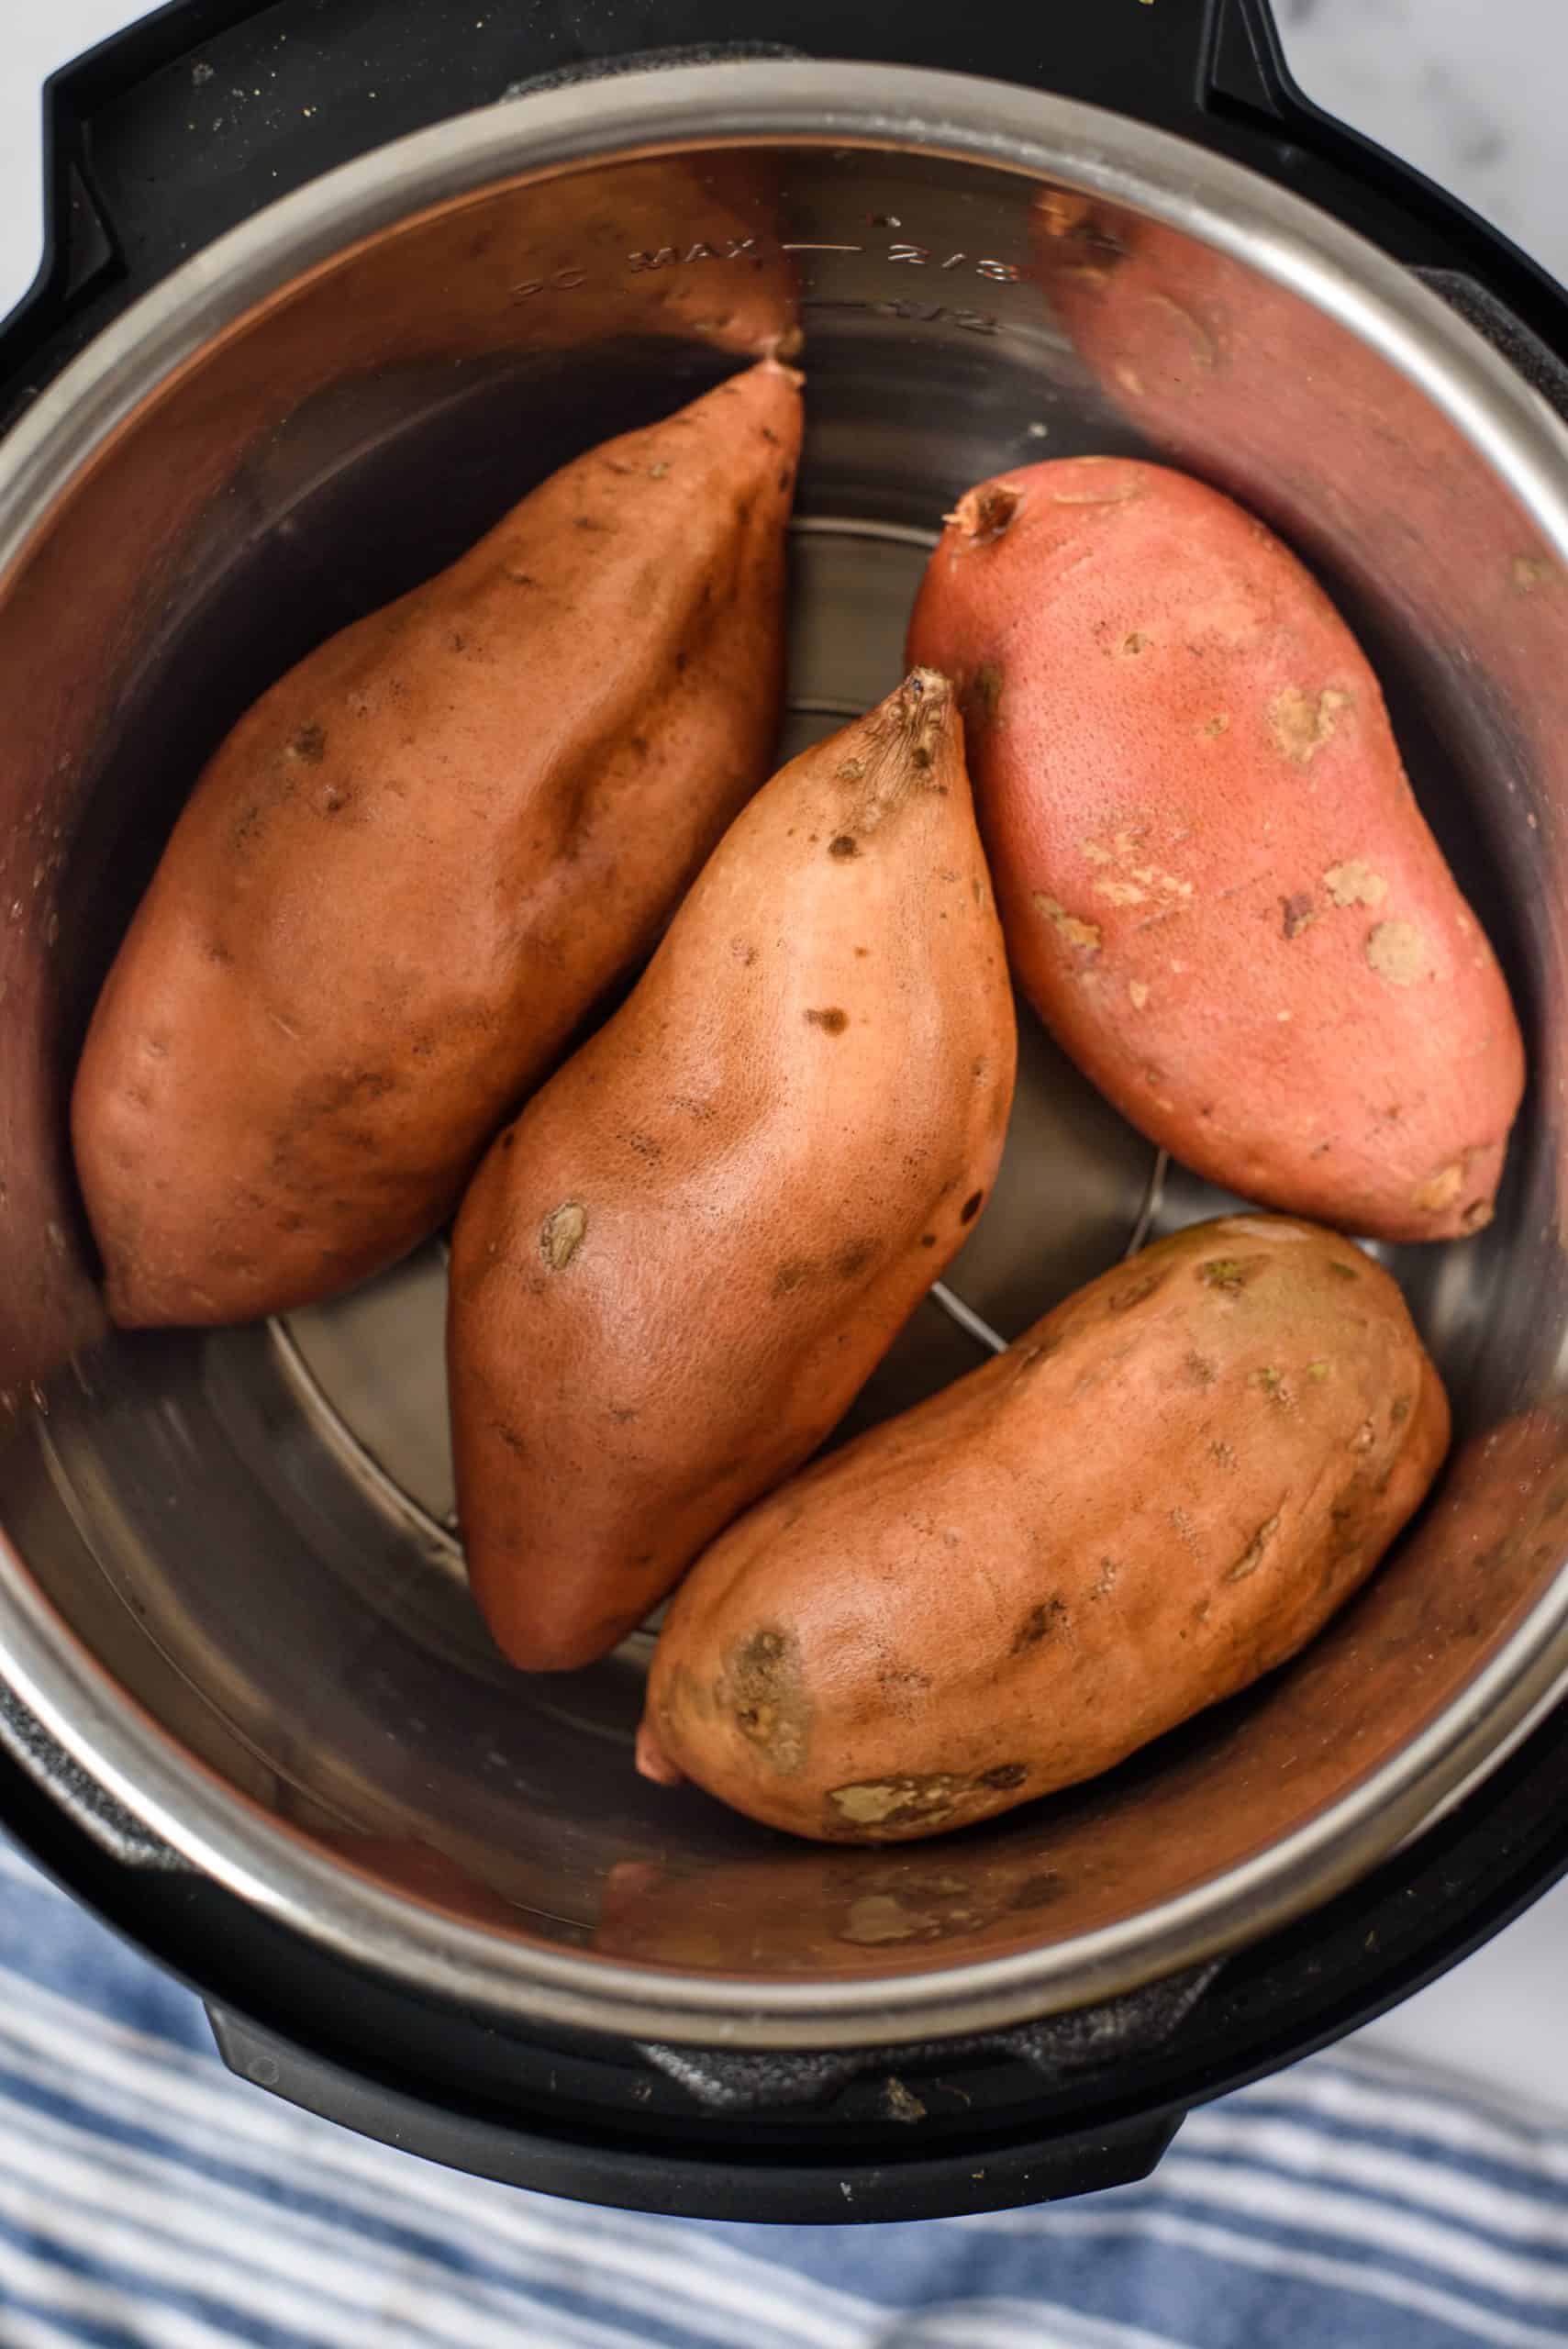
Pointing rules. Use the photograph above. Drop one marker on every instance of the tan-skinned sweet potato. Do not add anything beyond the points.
(1218, 888)
(1158, 1494)
(673, 1272)
(417, 863)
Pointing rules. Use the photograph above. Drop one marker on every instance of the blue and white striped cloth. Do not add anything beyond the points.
(148, 2201)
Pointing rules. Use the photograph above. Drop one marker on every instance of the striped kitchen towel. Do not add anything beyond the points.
(148, 2201)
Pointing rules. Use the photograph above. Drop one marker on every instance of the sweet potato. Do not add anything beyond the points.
(675, 1270)
(416, 864)
(1217, 886)
(1161, 1492)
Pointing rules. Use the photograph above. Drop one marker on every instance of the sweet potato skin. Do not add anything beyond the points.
(1218, 888)
(1160, 1493)
(418, 860)
(675, 1270)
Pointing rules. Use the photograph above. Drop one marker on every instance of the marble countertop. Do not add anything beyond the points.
(1469, 90)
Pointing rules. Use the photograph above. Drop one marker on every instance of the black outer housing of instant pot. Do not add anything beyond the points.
(147, 162)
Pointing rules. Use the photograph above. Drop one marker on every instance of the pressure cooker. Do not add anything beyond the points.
(327, 288)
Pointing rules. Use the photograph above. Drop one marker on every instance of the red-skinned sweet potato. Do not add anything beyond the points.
(1218, 888)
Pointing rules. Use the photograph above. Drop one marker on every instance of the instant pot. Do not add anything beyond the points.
(327, 288)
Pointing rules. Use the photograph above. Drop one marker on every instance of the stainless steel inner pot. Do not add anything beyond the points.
(229, 1583)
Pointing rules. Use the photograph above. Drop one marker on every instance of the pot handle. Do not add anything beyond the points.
(878, 2174)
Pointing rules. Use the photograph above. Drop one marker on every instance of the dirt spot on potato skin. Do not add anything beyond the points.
(846, 1265)
(1136, 1292)
(1039, 1624)
(853, 1258)
(1442, 1190)
(760, 1689)
(844, 846)
(561, 1235)
(983, 702)
(1231, 1275)
(1396, 951)
(971, 1207)
(832, 1021)
(895, 1802)
(1297, 913)
(1355, 884)
(307, 748)
(1074, 931)
(874, 1808)
(1301, 724)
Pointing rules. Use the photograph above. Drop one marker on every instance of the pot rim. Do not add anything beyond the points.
(942, 115)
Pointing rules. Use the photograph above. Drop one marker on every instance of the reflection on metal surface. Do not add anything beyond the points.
(249, 1540)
